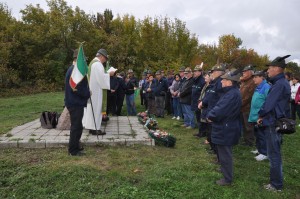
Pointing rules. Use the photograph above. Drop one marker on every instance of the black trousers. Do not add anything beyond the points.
(168, 104)
(160, 105)
(111, 103)
(293, 109)
(76, 115)
(225, 159)
(119, 103)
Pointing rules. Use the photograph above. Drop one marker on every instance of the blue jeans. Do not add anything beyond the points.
(176, 106)
(274, 154)
(180, 113)
(261, 143)
(188, 115)
(130, 105)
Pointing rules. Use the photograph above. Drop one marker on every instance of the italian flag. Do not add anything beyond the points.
(80, 69)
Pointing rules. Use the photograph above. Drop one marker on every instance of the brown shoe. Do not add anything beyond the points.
(223, 182)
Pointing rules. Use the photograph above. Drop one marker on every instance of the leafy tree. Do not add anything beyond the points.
(293, 68)
(8, 76)
(228, 48)
(37, 50)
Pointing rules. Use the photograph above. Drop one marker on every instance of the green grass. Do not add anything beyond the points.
(15, 111)
(185, 171)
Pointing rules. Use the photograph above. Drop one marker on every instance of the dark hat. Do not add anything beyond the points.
(218, 67)
(158, 72)
(171, 72)
(130, 71)
(75, 53)
(188, 70)
(149, 72)
(122, 74)
(181, 69)
(248, 67)
(103, 52)
(261, 73)
(279, 61)
(198, 67)
(233, 75)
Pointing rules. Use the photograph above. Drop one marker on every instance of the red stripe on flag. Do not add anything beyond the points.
(72, 83)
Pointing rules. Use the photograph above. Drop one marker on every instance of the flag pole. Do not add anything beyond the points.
(94, 116)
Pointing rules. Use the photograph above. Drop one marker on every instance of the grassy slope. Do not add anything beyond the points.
(186, 171)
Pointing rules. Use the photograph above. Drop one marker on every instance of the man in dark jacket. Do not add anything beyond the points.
(169, 99)
(199, 83)
(112, 96)
(75, 101)
(185, 98)
(275, 107)
(212, 96)
(226, 128)
(120, 93)
(160, 92)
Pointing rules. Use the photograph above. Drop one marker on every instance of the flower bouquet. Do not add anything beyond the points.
(162, 137)
(151, 124)
(142, 117)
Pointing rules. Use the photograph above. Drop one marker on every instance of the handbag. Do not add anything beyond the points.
(285, 126)
(49, 119)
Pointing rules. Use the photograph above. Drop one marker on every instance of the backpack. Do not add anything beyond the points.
(285, 126)
(49, 119)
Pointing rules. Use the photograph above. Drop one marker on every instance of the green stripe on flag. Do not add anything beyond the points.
(81, 61)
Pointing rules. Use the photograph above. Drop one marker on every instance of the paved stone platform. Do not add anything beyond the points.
(121, 130)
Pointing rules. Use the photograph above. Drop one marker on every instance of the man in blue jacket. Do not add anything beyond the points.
(226, 127)
(276, 106)
(75, 101)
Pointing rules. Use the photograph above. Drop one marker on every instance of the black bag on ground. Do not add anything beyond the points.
(49, 119)
(285, 126)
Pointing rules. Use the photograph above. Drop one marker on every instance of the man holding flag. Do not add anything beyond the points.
(76, 95)
(98, 80)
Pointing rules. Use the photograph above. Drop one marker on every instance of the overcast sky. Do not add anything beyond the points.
(268, 26)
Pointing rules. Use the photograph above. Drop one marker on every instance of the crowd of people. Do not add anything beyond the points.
(222, 104)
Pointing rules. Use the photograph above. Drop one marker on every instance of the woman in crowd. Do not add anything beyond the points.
(149, 89)
(174, 89)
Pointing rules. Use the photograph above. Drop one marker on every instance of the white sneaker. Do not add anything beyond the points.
(173, 118)
(255, 151)
(269, 187)
(261, 157)
(178, 118)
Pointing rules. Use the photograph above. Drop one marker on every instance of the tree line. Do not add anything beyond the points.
(37, 49)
